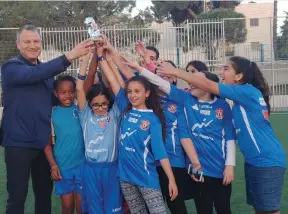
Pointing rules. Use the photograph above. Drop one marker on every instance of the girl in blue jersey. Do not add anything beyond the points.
(67, 156)
(211, 129)
(141, 146)
(100, 121)
(177, 138)
(244, 84)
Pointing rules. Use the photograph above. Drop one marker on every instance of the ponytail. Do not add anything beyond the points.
(260, 82)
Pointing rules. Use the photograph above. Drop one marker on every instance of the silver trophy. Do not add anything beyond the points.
(93, 29)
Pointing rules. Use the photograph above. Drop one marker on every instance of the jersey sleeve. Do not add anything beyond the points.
(121, 100)
(228, 124)
(116, 111)
(237, 93)
(85, 114)
(177, 95)
(182, 124)
(157, 143)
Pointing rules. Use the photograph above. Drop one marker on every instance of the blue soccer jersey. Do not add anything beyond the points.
(256, 138)
(141, 145)
(176, 129)
(69, 146)
(101, 134)
(210, 126)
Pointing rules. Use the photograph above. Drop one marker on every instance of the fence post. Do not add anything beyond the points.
(261, 52)
(114, 32)
(272, 65)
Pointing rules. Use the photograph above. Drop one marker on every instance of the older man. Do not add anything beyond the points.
(27, 100)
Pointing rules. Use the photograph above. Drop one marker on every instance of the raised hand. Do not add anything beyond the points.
(79, 50)
(165, 68)
(140, 49)
(130, 63)
(107, 45)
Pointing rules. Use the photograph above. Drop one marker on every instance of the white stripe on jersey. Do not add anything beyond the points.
(245, 118)
(84, 131)
(114, 146)
(146, 153)
(223, 143)
(173, 135)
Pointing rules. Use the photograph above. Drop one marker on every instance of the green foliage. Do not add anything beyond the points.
(60, 14)
(180, 11)
(282, 41)
(209, 35)
(235, 30)
(175, 10)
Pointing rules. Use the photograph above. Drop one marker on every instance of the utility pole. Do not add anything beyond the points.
(274, 40)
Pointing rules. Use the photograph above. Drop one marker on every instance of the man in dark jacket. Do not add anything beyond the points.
(27, 101)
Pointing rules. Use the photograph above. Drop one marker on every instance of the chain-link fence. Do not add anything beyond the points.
(212, 41)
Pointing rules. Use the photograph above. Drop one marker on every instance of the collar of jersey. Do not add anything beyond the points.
(143, 110)
(210, 102)
(100, 116)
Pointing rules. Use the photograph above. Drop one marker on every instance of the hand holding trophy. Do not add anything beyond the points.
(93, 30)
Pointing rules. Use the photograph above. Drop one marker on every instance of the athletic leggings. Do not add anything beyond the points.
(138, 198)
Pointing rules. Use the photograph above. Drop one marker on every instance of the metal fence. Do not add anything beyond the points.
(212, 41)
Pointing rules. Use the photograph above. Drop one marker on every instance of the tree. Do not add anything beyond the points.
(282, 41)
(180, 11)
(61, 14)
(235, 31)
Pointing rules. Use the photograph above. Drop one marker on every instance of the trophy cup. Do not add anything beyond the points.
(93, 30)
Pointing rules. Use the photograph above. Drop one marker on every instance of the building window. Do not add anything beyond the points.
(254, 22)
(255, 46)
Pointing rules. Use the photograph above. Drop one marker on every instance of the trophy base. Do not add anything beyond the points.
(99, 40)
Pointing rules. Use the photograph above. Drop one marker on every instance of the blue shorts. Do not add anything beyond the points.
(71, 181)
(101, 189)
(264, 187)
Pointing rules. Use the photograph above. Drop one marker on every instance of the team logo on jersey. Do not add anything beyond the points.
(144, 125)
(172, 108)
(102, 124)
(195, 107)
(262, 101)
(265, 114)
(108, 119)
(219, 113)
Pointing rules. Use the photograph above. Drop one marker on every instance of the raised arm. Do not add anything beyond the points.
(16, 72)
(81, 96)
(199, 81)
(115, 70)
(125, 70)
(112, 80)
(153, 78)
(91, 73)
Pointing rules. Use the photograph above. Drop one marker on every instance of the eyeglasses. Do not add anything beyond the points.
(96, 106)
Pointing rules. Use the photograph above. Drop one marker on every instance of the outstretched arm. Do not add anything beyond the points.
(153, 78)
(91, 73)
(16, 72)
(114, 84)
(81, 96)
(125, 70)
(199, 81)
(115, 70)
